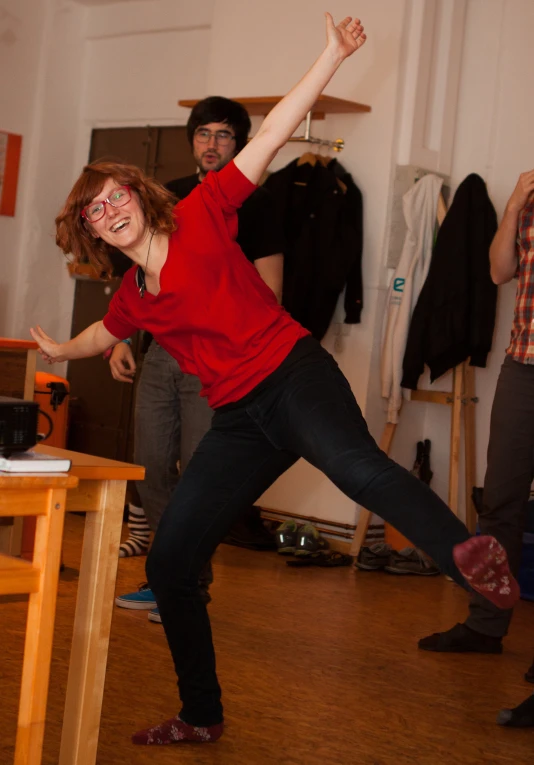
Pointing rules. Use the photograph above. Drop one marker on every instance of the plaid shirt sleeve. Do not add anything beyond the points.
(521, 346)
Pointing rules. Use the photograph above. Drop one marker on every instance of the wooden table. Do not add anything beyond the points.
(100, 493)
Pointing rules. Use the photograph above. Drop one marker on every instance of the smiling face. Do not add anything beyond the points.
(122, 227)
(211, 155)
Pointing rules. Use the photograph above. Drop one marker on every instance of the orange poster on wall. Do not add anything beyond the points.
(10, 146)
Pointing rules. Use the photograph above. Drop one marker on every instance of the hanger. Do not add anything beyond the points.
(308, 158)
(324, 159)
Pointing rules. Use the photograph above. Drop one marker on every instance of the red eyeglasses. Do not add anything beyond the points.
(118, 198)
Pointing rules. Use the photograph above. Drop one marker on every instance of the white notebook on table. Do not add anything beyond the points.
(34, 462)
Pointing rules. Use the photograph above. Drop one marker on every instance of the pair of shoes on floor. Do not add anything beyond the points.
(382, 557)
(461, 639)
(143, 600)
(292, 539)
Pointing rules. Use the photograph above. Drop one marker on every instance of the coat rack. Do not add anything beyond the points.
(262, 105)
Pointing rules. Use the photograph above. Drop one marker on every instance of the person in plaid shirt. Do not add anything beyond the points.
(510, 467)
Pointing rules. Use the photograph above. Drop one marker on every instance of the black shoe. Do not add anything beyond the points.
(461, 639)
(521, 716)
(416, 469)
(425, 473)
(529, 674)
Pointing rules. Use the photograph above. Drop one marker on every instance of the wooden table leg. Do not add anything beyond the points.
(40, 632)
(92, 622)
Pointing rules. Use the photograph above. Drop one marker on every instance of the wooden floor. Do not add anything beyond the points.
(317, 667)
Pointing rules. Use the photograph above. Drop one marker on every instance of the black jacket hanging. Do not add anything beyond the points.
(455, 314)
(321, 209)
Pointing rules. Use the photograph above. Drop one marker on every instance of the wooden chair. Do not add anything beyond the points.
(42, 496)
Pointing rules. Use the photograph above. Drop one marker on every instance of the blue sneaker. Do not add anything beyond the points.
(153, 616)
(141, 600)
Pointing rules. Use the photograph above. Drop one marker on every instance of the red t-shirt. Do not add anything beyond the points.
(214, 313)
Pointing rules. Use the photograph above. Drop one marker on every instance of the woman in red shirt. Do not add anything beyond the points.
(277, 394)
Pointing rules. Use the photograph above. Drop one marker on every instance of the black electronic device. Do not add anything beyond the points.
(18, 425)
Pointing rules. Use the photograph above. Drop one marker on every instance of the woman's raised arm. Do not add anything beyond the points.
(342, 41)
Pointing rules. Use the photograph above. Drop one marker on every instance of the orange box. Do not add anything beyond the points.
(10, 148)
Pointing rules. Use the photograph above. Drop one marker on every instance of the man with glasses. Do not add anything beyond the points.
(170, 416)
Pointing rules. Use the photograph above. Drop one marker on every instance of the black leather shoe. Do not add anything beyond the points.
(461, 639)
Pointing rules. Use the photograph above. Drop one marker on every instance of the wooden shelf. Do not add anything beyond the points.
(262, 105)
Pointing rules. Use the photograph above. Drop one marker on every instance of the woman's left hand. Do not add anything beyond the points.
(346, 37)
(48, 348)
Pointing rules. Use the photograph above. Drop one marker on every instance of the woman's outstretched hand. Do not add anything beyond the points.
(48, 348)
(345, 38)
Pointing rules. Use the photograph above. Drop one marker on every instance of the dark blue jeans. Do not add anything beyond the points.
(305, 409)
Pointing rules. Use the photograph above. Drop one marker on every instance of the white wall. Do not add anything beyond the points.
(20, 51)
(165, 45)
(40, 59)
(49, 298)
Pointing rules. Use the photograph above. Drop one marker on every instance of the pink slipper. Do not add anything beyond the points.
(175, 730)
(483, 563)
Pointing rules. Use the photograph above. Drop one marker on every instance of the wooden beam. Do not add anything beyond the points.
(432, 396)
(17, 576)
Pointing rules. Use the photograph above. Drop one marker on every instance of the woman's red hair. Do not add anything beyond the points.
(73, 233)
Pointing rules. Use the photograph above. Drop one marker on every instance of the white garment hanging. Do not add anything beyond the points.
(419, 205)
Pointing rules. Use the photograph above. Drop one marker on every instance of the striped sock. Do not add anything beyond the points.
(139, 538)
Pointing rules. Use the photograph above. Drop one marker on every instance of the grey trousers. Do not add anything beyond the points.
(170, 421)
(509, 476)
